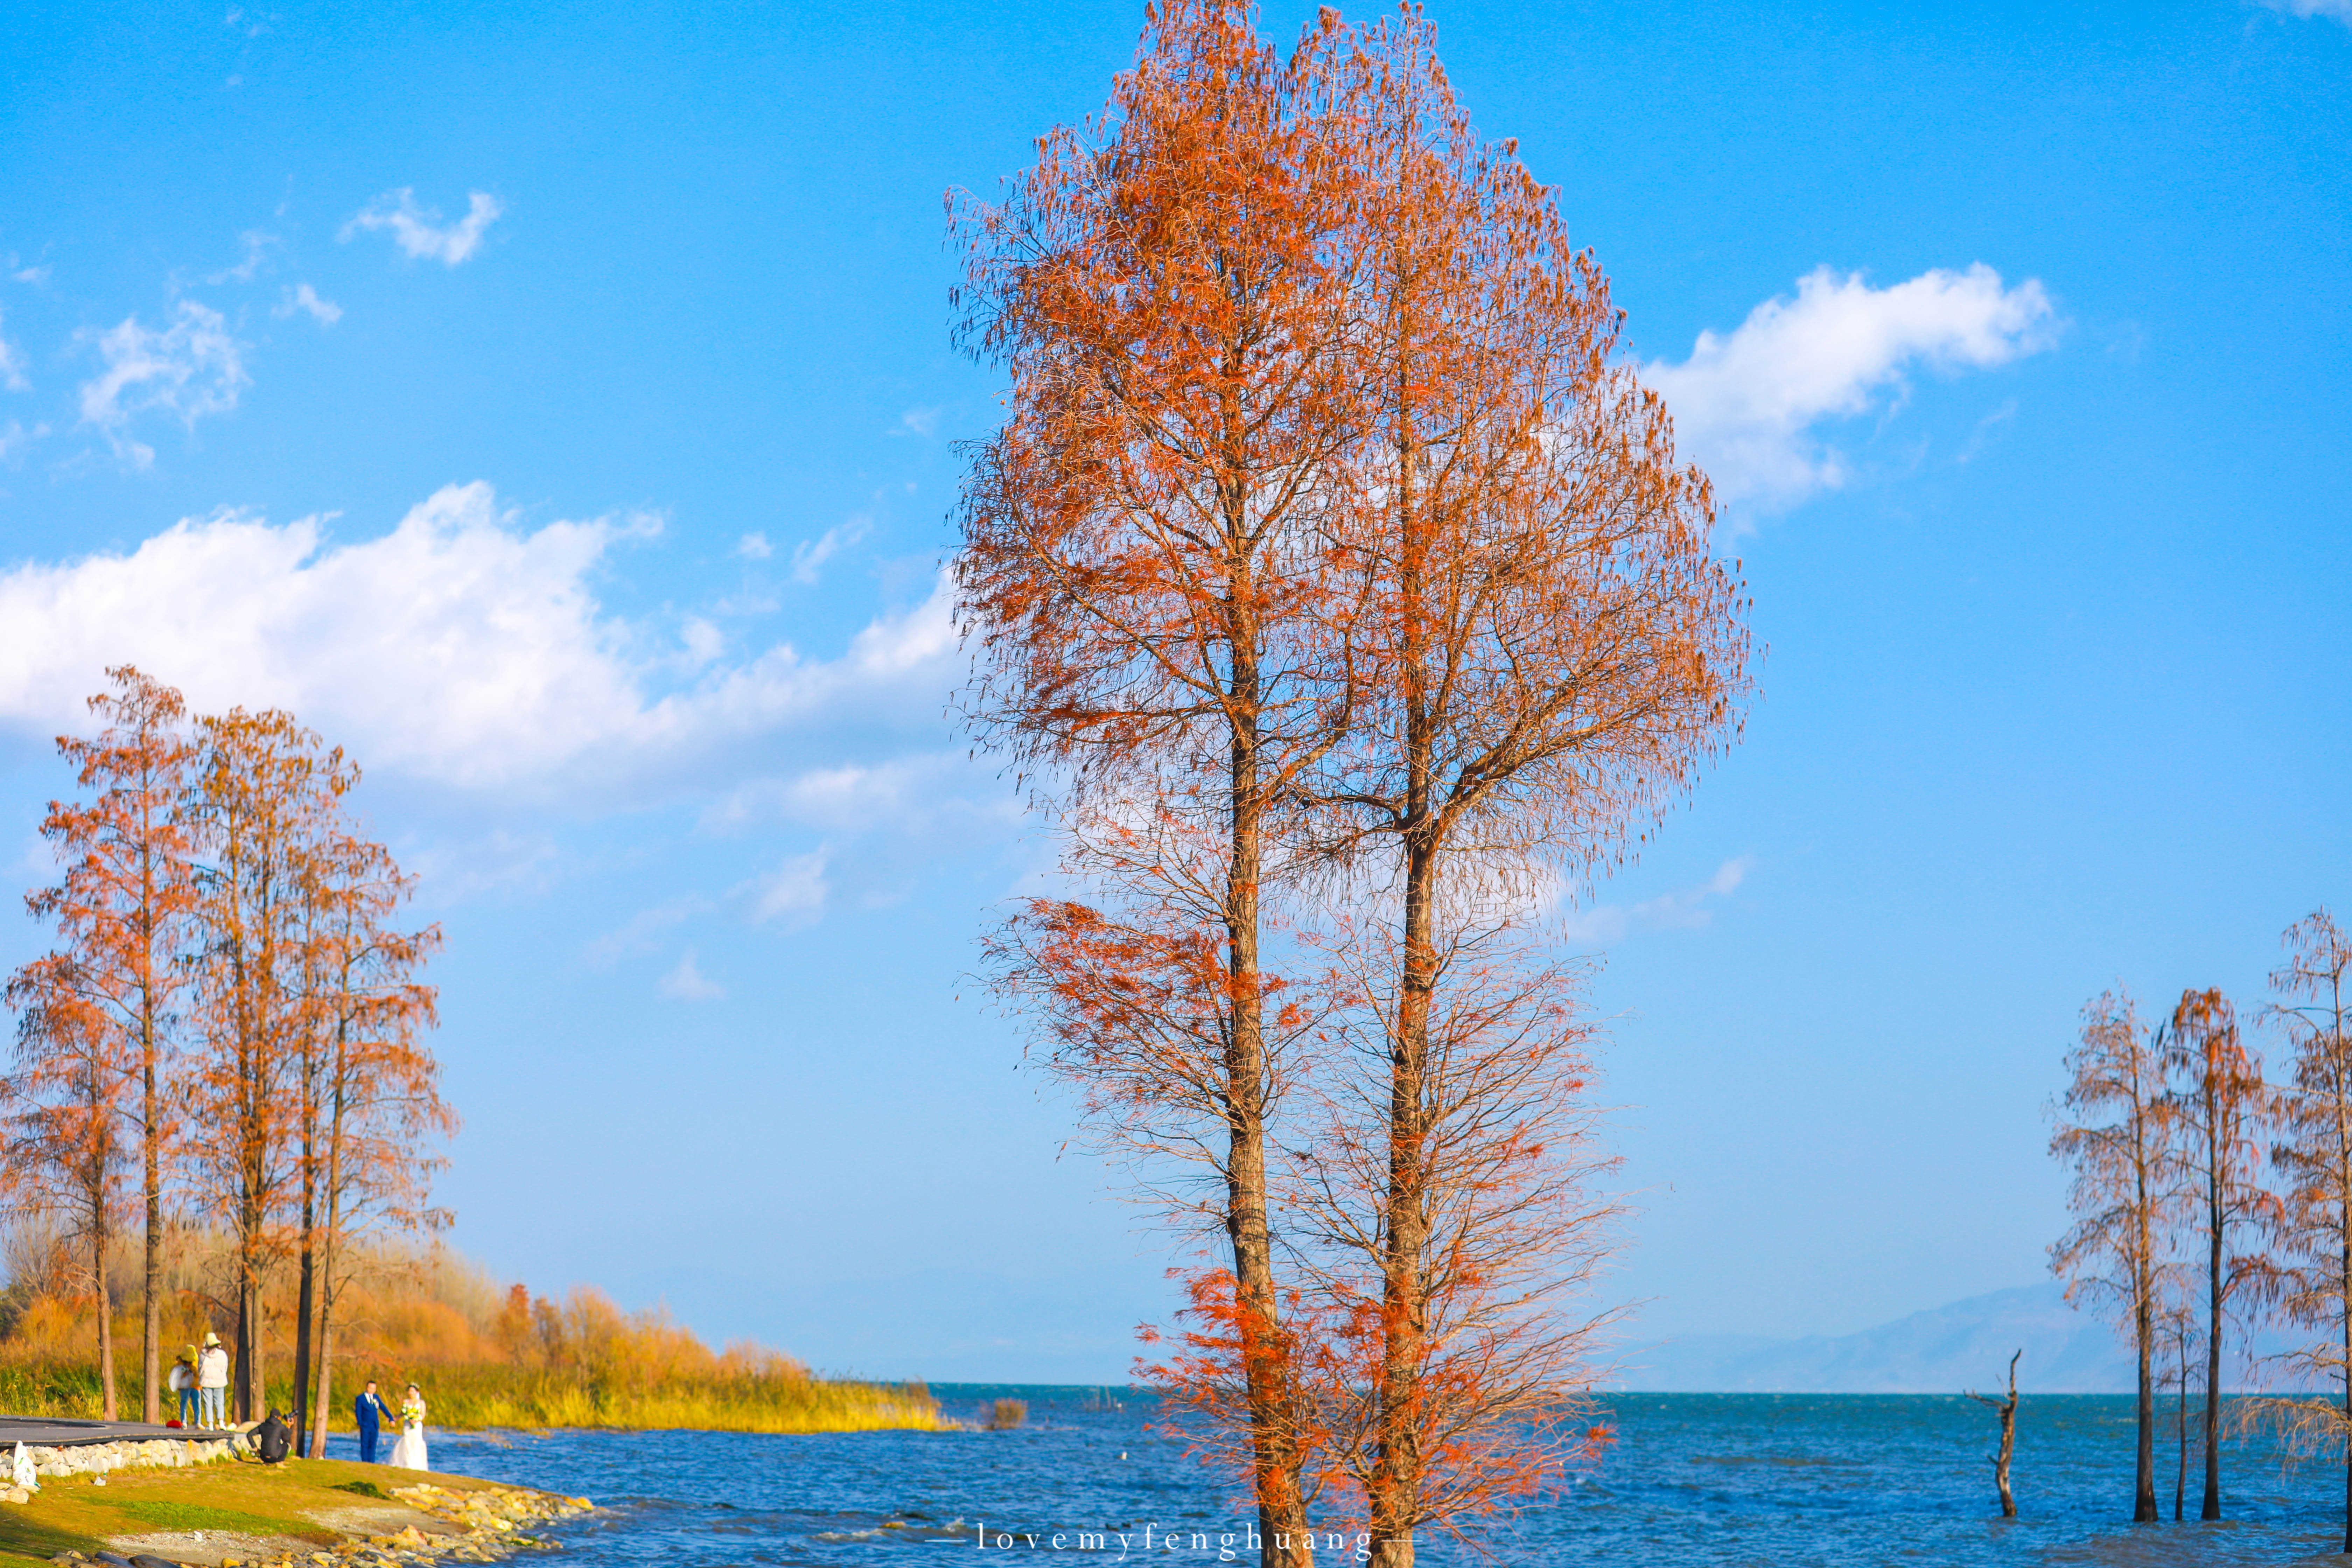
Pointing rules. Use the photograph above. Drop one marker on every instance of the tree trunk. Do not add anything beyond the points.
(109, 1410)
(1281, 1515)
(317, 1437)
(1394, 1498)
(150, 1318)
(1396, 1472)
(323, 1404)
(2144, 1490)
(2000, 1465)
(303, 1310)
(2180, 1436)
(248, 1379)
(2213, 1505)
(306, 1304)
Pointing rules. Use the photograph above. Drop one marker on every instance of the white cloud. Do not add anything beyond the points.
(257, 253)
(459, 649)
(922, 422)
(907, 795)
(688, 983)
(638, 934)
(1745, 405)
(1687, 910)
(302, 297)
(702, 642)
(12, 368)
(190, 368)
(794, 892)
(754, 547)
(809, 555)
(420, 231)
(15, 438)
(2339, 9)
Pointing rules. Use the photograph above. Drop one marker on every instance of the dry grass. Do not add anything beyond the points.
(483, 1357)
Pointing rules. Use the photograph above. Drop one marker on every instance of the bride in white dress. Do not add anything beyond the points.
(409, 1452)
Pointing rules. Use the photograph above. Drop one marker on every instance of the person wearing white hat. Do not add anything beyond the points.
(212, 1383)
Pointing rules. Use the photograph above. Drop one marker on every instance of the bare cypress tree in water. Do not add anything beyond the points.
(2121, 1196)
(2314, 1156)
(2220, 1118)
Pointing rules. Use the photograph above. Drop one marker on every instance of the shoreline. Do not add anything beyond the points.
(240, 1513)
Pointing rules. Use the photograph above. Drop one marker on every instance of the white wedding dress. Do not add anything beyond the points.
(409, 1452)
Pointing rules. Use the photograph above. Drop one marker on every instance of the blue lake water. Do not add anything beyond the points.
(1779, 1479)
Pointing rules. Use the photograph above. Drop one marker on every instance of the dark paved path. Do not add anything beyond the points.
(58, 1432)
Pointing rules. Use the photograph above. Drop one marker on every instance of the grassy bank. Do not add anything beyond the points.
(247, 1513)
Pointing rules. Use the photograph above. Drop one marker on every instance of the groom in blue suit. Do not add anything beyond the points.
(370, 1412)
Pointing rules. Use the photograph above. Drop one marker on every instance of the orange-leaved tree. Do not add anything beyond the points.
(2221, 1115)
(2314, 1154)
(263, 795)
(1134, 1001)
(1508, 1178)
(371, 1101)
(1544, 647)
(1143, 577)
(2115, 1130)
(122, 909)
(66, 1104)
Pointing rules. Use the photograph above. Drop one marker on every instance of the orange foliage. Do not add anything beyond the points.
(121, 910)
(1325, 530)
(1165, 289)
(228, 961)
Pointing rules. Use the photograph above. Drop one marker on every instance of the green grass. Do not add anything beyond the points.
(144, 1514)
(70, 1514)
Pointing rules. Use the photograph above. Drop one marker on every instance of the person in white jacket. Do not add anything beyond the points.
(212, 1383)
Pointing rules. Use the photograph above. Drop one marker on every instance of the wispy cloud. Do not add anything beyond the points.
(15, 437)
(924, 422)
(12, 367)
(794, 893)
(638, 934)
(688, 983)
(1687, 908)
(809, 555)
(1746, 404)
(2341, 10)
(459, 648)
(302, 297)
(906, 793)
(420, 231)
(193, 367)
(256, 256)
(754, 547)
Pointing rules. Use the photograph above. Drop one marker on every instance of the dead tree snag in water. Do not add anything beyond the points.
(2007, 1410)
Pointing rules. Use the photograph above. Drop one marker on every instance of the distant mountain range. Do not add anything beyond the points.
(1964, 1345)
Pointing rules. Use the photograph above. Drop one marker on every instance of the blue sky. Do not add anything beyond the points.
(554, 405)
